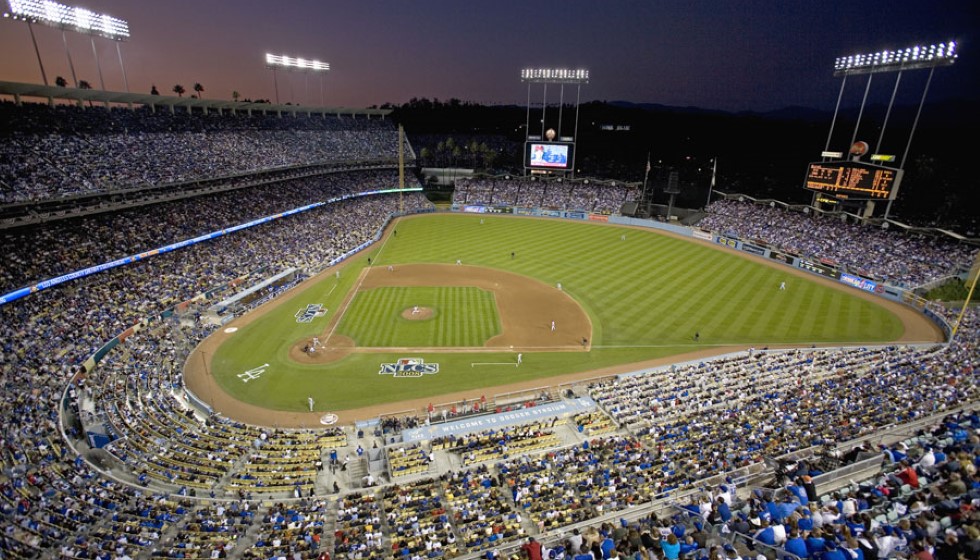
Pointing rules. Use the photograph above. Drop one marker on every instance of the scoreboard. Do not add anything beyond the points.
(853, 180)
(549, 155)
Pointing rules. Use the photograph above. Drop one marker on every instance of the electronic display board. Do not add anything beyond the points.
(548, 155)
(853, 180)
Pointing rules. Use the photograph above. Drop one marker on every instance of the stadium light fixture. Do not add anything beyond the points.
(909, 58)
(555, 75)
(282, 61)
(276, 61)
(71, 18)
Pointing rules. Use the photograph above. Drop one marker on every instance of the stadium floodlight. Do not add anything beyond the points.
(68, 17)
(910, 58)
(275, 61)
(555, 75)
(282, 61)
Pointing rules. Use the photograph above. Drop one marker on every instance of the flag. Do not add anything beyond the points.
(648, 163)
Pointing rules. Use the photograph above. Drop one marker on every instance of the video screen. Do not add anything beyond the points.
(549, 155)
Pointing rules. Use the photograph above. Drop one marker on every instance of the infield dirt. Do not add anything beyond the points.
(526, 308)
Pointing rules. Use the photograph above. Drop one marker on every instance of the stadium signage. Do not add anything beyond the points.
(598, 217)
(781, 257)
(701, 234)
(815, 268)
(727, 242)
(859, 283)
(409, 367)
(311, 311)
(753, 249)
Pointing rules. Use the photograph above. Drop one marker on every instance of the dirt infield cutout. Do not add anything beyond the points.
(534, 328)
(527, 309)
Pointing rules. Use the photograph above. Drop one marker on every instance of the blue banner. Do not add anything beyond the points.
(23, 292)
(501, 420)
(859, 283)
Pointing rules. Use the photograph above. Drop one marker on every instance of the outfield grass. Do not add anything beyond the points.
(464, 317)
(646, 296)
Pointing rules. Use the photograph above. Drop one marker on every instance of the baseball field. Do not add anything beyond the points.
(443, 305)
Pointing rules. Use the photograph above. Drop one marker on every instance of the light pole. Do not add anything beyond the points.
(70, 18)
(275, 61)
(915, 57)
(560, 76)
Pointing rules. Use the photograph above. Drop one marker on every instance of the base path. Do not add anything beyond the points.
(526, 314)
(527, 307)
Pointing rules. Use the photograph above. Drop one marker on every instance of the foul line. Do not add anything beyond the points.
(474, 364)
(357, 288)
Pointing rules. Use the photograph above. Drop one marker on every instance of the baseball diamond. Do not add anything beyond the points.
(623, 305)
(264, 322)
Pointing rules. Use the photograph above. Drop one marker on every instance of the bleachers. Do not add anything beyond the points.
(657, 433)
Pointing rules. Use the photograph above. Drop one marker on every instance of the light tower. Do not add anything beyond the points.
(68, 18)
(870, 181)
(306, 66)
(551, 151)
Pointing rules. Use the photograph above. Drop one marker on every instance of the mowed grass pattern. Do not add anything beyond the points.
(649, 289)
(646, 295)
(463, 317)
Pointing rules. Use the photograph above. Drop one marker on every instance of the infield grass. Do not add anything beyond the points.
(462, 316)
(646, 296)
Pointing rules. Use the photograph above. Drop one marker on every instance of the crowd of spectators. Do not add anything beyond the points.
(902, 259)
(62, 150)
(922, 505)
(47, 335)
(585, 196)
(674, 427)
(50, 250)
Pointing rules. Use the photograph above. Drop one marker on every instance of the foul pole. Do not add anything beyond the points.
(401, 168)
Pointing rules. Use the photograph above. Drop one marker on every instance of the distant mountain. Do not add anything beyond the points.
(950, 113)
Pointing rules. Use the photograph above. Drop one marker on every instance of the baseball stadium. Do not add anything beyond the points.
(260, 330)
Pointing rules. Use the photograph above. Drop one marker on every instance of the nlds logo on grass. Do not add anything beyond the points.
(409, 367)
(311, 311)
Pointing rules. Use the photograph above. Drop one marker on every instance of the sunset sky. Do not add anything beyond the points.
(751, 55)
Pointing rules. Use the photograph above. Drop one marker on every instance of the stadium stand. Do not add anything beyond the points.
(582, 195)
(171, 482)
(903, 259)
(50, 152)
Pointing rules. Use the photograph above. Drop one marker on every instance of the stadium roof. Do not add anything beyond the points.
(19, 91)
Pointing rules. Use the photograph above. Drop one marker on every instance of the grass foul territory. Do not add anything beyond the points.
(633, 294)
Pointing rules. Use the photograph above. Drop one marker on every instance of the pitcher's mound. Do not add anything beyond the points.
(418, 313)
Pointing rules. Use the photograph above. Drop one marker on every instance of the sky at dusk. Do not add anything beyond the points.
(728, 55)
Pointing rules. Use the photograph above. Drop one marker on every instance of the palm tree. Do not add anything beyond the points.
(235, 95)
(60, 82)
(179, 90)
(199, 89)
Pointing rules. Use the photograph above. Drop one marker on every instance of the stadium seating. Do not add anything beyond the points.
(175, 484)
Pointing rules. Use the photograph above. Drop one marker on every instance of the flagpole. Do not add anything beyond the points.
(711, 187)
(645, 175)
